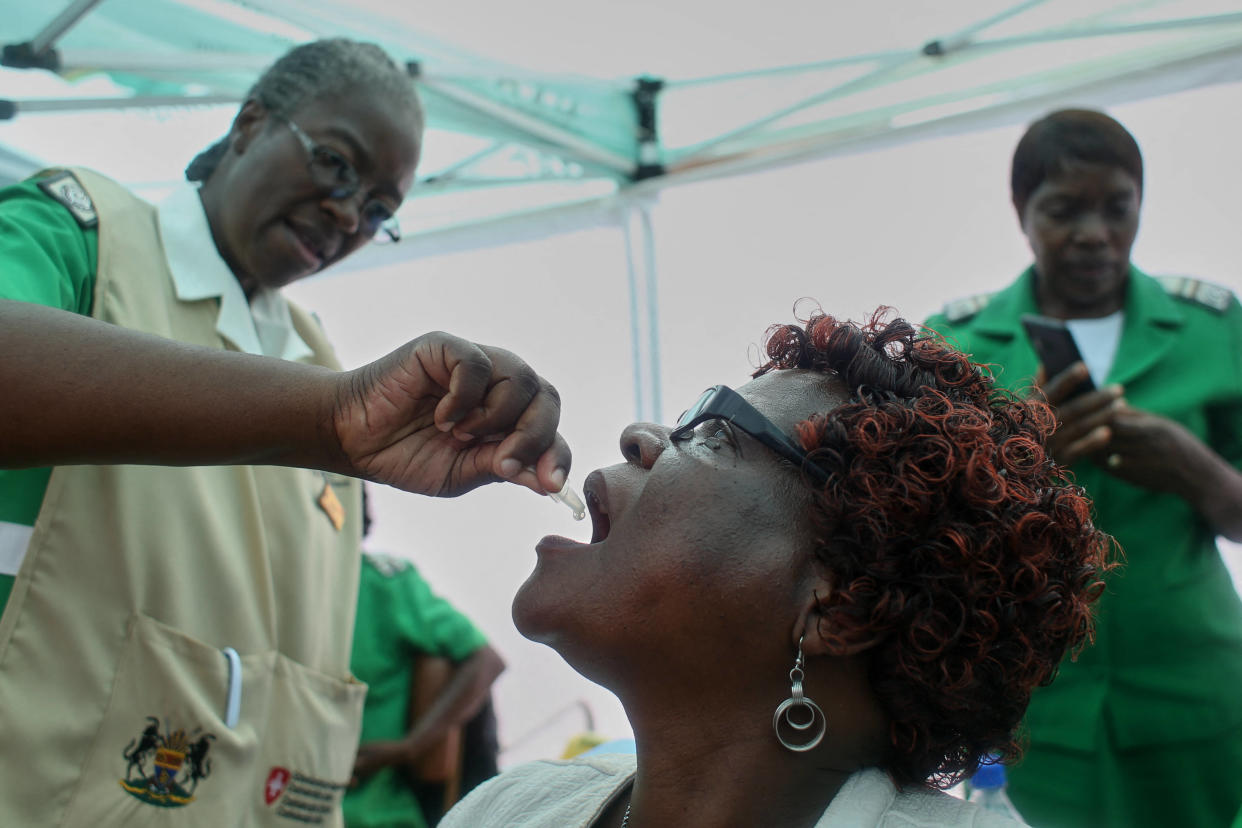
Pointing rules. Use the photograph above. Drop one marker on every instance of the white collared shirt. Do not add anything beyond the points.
(263, 326)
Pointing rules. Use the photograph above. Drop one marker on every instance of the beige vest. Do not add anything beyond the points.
(114, 680)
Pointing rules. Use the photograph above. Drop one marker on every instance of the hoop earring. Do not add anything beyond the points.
(798, 700)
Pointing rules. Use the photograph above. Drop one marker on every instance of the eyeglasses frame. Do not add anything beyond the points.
(347, 190)
(720, 402)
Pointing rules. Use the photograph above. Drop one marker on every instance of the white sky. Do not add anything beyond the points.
(909, 227)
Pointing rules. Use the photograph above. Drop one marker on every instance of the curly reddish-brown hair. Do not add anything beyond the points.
(955, 542)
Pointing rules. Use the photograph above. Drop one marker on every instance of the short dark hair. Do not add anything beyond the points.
(954, 538)
(1066, 136)
(311, 71)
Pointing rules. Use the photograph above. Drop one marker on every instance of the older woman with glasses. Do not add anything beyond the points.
(176, 622)
(819, 597)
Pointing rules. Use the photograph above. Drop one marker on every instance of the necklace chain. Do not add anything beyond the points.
(625, 820)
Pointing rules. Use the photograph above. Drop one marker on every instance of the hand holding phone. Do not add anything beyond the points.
(1055, 347)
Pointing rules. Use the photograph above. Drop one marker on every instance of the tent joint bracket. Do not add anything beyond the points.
(24, 56)
(645, 95)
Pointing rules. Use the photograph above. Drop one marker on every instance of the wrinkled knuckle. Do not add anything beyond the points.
(528, 383)
(550, 391)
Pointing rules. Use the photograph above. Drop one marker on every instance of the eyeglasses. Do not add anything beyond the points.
(339, 180)
(720, 402)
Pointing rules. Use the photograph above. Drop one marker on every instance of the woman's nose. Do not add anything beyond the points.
(1092, 229)
(346, 212)
(643, 443)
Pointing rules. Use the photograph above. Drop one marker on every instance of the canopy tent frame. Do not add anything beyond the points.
(647, 158)
(584, 130)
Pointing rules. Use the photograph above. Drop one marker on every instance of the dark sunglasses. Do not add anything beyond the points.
(720, 402)
(338, 179)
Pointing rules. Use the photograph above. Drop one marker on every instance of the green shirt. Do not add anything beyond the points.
(46, 258)
(399, 618)
(1167, 663)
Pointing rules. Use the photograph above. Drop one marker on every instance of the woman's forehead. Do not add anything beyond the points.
(789, 396)
(359, 112)
(1076, 173)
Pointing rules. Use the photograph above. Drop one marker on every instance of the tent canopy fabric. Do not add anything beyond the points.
(555, 105)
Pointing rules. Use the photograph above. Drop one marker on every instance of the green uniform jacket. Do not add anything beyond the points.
(1167, 662)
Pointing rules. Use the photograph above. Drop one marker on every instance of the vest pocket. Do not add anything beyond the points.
(306, 754)
(163, 745)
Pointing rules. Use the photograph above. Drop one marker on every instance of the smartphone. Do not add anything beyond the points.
(1055, 346)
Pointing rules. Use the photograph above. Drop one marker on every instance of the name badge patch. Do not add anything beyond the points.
(66, 189)
(301, 798)
(332, 506)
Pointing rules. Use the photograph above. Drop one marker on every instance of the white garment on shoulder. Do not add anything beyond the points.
(869, 798)
(573, 794)
(1097, 341)
(262, 326)
(14, 539)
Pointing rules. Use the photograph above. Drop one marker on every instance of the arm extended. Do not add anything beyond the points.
(438, 416)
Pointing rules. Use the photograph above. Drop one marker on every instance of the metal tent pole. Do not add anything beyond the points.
(569, 144)
(64, 21)
(644, 314)
(1058, 35)
(16, 107)
(653, 313)
(704, 150)
(951, 43)
(636, 339)
(38, 52)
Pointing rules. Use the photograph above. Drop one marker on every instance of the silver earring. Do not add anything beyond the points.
(789, 708)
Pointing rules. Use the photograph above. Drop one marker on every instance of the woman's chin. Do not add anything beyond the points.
(531, 613)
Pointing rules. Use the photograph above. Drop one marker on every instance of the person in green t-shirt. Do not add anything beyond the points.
(428, 671)
(402, 629)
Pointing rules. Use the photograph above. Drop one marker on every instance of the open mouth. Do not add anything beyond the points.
(596, 496)
(600, 524)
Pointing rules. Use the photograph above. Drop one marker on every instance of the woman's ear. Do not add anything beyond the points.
(824, 632)
(251, 118)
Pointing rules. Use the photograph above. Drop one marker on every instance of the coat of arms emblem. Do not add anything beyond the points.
(177, 763)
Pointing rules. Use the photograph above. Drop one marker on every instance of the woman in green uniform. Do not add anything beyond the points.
(179, 522)
(1145, 728)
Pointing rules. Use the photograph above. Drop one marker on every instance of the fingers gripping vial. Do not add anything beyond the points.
(571, 499)
(568, 497)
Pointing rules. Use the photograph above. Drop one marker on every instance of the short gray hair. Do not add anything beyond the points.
(314, 70)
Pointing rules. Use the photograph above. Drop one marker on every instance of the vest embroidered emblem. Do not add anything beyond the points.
(176, 762)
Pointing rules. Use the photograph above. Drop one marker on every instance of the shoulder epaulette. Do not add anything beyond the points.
(388, 565)
(959, 310)
(63, 186)
(1198, 291)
